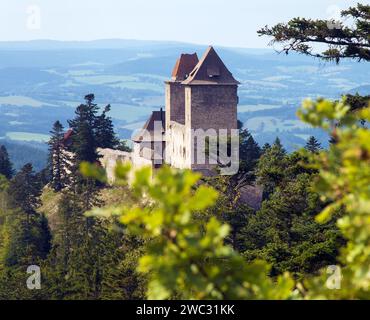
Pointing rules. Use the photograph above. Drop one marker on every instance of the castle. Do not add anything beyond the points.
(200, 96)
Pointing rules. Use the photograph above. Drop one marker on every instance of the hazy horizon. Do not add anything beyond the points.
(206, 22)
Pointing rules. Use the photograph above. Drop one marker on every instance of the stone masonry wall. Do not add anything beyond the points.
(209, 107)
(175, 103)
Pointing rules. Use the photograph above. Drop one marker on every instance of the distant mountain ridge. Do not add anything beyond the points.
(111, 44)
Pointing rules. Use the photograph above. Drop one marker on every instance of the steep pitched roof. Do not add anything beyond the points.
(67, 138)
(184, 65)
(210, 70)
(148, 127)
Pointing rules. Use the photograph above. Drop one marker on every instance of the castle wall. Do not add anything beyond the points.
(175, 103)
(177, 148)
(110, 158)
(210, 108)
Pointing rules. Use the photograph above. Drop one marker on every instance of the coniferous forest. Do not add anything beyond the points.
(179, 235)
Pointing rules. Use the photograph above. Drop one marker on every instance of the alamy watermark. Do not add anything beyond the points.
(190, 148)
(335, 18)
(334, 281)
(34, 280)
(33, 17)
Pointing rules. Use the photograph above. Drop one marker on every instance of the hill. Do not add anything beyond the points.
(23, 152)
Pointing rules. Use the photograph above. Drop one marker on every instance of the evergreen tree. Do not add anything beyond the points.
(313, 145)
(90, 131)
(249, 151)
(5, 164)
(271, 167)
(84, 142)
(265, 147)
(25, 190)
(24, 234)
(105, 135)
(285, 234)
(87, 260)
(59, 160)
(357, 102)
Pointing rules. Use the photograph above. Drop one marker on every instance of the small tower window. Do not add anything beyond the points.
(213, 72)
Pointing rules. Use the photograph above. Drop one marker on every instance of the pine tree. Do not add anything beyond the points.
(24, 234)
(313, 145)
(105, 135)
(59, 159)
(90, 131)
(249, 151)
(5, 164)
(87, 260)
(271, 167)
(278, 145)
(265, 147)
(84, 142)
(285, 234)
(25, 190)
(339, 40)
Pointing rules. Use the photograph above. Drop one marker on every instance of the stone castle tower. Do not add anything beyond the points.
(201, 95)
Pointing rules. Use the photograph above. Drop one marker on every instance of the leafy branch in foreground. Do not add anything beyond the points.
(183, 258)
(344, 180)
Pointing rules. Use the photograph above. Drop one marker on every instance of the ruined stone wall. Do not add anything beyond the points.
(177, 148)
(110, 158)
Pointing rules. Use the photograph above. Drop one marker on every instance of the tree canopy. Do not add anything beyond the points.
(304, 35)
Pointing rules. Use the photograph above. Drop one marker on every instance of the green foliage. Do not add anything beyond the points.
(285, 234)
(302, 35)
(249, 152)
(105, 135)
(271, 167)
(6, 168)
(88, 260)
(91, 131)
(313, 145)
(344, 180)
(357, 101)
(59, 159)
(24, 235)
(181, 259)
(24, 190)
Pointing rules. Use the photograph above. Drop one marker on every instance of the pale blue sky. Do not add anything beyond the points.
(217, 22)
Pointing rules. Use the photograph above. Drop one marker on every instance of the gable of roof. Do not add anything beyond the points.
(210, 70)
(148, 127)
(184, 65)
(67, 138)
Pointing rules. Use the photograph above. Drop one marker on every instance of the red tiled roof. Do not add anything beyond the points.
(68, 135)
(184, 65)
(210, 70)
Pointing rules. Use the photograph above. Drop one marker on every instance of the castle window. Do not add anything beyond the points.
(213, 72)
